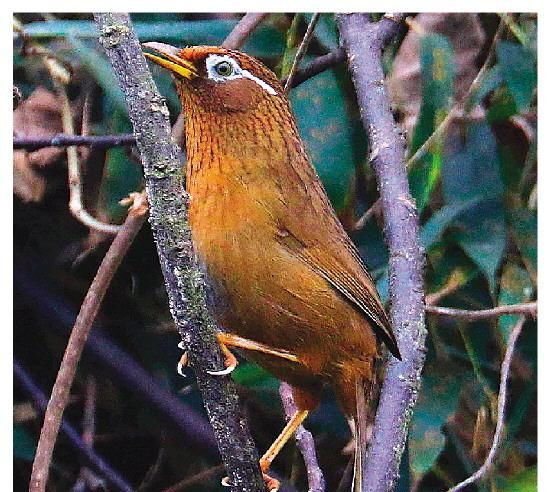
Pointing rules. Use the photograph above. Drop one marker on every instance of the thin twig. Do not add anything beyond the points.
(63, 140)
(317, 66)
(242, 30)
(304, 442)
(301, 51)
(463, 104)
(501, 407)
(362, 221)
(184, 278)
(76, 205)
(88, 312)
(529, 308)
(364, 41)
(111, 476)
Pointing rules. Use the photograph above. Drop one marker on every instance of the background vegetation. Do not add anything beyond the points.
(476, 190)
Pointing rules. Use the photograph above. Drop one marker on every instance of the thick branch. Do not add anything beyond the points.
(184, 279)
(364, 41)
(529, 308)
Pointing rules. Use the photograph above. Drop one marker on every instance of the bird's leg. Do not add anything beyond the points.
(227, 339)
(288, 431)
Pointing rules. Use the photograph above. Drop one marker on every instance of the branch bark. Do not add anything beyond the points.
(243, 29)
(64, 140)
(304, 442)
(363, 41)
(184, 279)
(529, 308)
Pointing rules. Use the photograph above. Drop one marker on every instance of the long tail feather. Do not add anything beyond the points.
(361, 420)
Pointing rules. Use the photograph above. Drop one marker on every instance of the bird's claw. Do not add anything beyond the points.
(272, 483)
(184, 360)
(223, 372)
(230, 362)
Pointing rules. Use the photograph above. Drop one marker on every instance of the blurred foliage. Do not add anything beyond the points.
(475, 189)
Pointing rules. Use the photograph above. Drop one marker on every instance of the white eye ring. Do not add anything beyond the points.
(212, 61)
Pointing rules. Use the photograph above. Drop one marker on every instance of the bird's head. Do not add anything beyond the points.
(217, 79)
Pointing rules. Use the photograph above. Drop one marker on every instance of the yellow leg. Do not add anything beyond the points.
(284, 436)
(227, 339)
(268, 457)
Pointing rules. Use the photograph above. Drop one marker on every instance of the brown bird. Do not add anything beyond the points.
(288, 286)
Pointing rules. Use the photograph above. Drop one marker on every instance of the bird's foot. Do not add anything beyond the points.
(272, 483)
(184, 360)
(230, 362)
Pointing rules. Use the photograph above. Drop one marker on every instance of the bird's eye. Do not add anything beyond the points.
(224, 68)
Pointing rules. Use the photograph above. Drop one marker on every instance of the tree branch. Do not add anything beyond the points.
(93, 459)
(67, 370)
(501, 407)
(236, 38)
(529, 308)
(364, 41)
(301, 51)
(305, 443)
(64, 140)
(184, 279)
(315, 67)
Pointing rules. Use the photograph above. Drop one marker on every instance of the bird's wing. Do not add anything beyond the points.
(338, 262)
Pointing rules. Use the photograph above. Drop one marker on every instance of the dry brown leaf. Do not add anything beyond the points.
(464, 32)
(37, 116)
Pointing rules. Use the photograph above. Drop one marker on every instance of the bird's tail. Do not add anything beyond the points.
(366, 394)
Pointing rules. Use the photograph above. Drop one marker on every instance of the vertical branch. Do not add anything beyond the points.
(363, 41)
(184, 279)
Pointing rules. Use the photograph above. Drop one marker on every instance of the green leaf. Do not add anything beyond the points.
(442, 219)
(329, 127)
(253, 376)
(24, 446)
(525, 481)
(524, 231)
(502, 106)
(438, 72)
(436, 403)
(266, 40)
(473, 172)
(515, 288)
(518, 67)
(291, 46)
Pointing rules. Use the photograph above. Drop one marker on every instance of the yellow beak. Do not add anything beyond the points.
(170, 60)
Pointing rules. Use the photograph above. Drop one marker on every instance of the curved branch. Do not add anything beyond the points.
(364, 41)
(501, 407)
(83, 324)
(236, 38)
(185, 282)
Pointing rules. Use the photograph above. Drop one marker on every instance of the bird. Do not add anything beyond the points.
(286, 284)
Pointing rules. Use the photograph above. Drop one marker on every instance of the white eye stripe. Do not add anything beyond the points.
(238, 72)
